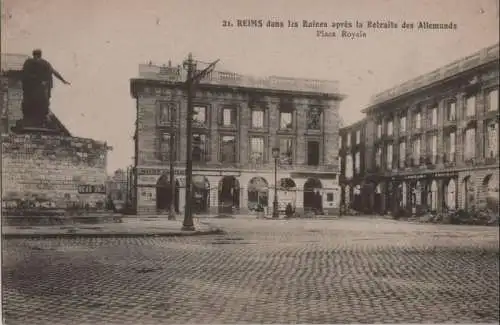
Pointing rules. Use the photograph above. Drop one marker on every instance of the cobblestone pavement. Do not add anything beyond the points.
(261, 271)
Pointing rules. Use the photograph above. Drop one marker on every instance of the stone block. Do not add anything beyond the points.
(52, 172)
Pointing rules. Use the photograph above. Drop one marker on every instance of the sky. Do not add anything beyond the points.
(97, 45)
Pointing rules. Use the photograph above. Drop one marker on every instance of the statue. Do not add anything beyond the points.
(37, 88)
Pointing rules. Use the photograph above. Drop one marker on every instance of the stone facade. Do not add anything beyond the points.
(433, 141)
(353, 164)
(236, 127)
(46, 171)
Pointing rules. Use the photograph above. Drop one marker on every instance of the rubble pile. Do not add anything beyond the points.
(483, 217)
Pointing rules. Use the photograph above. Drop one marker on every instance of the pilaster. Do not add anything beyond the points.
(213, 133)
(301, 124)
(244, 120)
(480, 134)
(273, 127)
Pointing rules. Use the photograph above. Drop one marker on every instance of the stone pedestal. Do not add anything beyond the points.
(47, 172)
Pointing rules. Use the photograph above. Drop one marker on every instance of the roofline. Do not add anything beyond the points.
(135, 81)
(485, 55)
(423, 88)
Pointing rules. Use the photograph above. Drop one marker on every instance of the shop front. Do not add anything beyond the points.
(423, 192)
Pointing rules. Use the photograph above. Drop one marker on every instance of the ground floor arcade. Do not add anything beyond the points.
(439, 191)
(236, 192)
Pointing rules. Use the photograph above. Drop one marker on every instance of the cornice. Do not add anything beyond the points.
(135, 83)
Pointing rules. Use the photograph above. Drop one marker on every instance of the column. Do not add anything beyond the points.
(244, 119)
(214, 193)
(299, 197)
(440, 136)
(424, 121)
(409, 129)
(460, 143)
(480, 136)
(182, 199)
(396, 128)
(409, 120)
(244, 199)
(273, 127)
(480, 140)
(301, 125)
(214, 126)
(460, 189)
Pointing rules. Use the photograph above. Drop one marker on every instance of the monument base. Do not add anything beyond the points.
(46, 174)
(48, 126)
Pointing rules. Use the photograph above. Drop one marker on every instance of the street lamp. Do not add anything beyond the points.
(276, 155)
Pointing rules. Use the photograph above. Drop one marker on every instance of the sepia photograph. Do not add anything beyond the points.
(249, 162)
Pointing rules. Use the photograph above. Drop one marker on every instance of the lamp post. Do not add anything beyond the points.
(276, 155)
(191, 81)
(171, 210)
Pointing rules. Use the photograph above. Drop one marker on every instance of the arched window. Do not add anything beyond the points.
(258, 194)
(433, 196)
(287, 192)
(451, 190)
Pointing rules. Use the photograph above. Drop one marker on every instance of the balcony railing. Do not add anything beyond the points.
(308, 168)
(483, 56)
(265, 166)
(178, 74)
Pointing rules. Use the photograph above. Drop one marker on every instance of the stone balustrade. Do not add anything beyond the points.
(178, 74)
(483, 56)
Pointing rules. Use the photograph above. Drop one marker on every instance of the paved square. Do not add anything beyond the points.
(263, 271)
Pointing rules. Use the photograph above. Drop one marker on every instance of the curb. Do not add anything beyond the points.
(114, 235)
